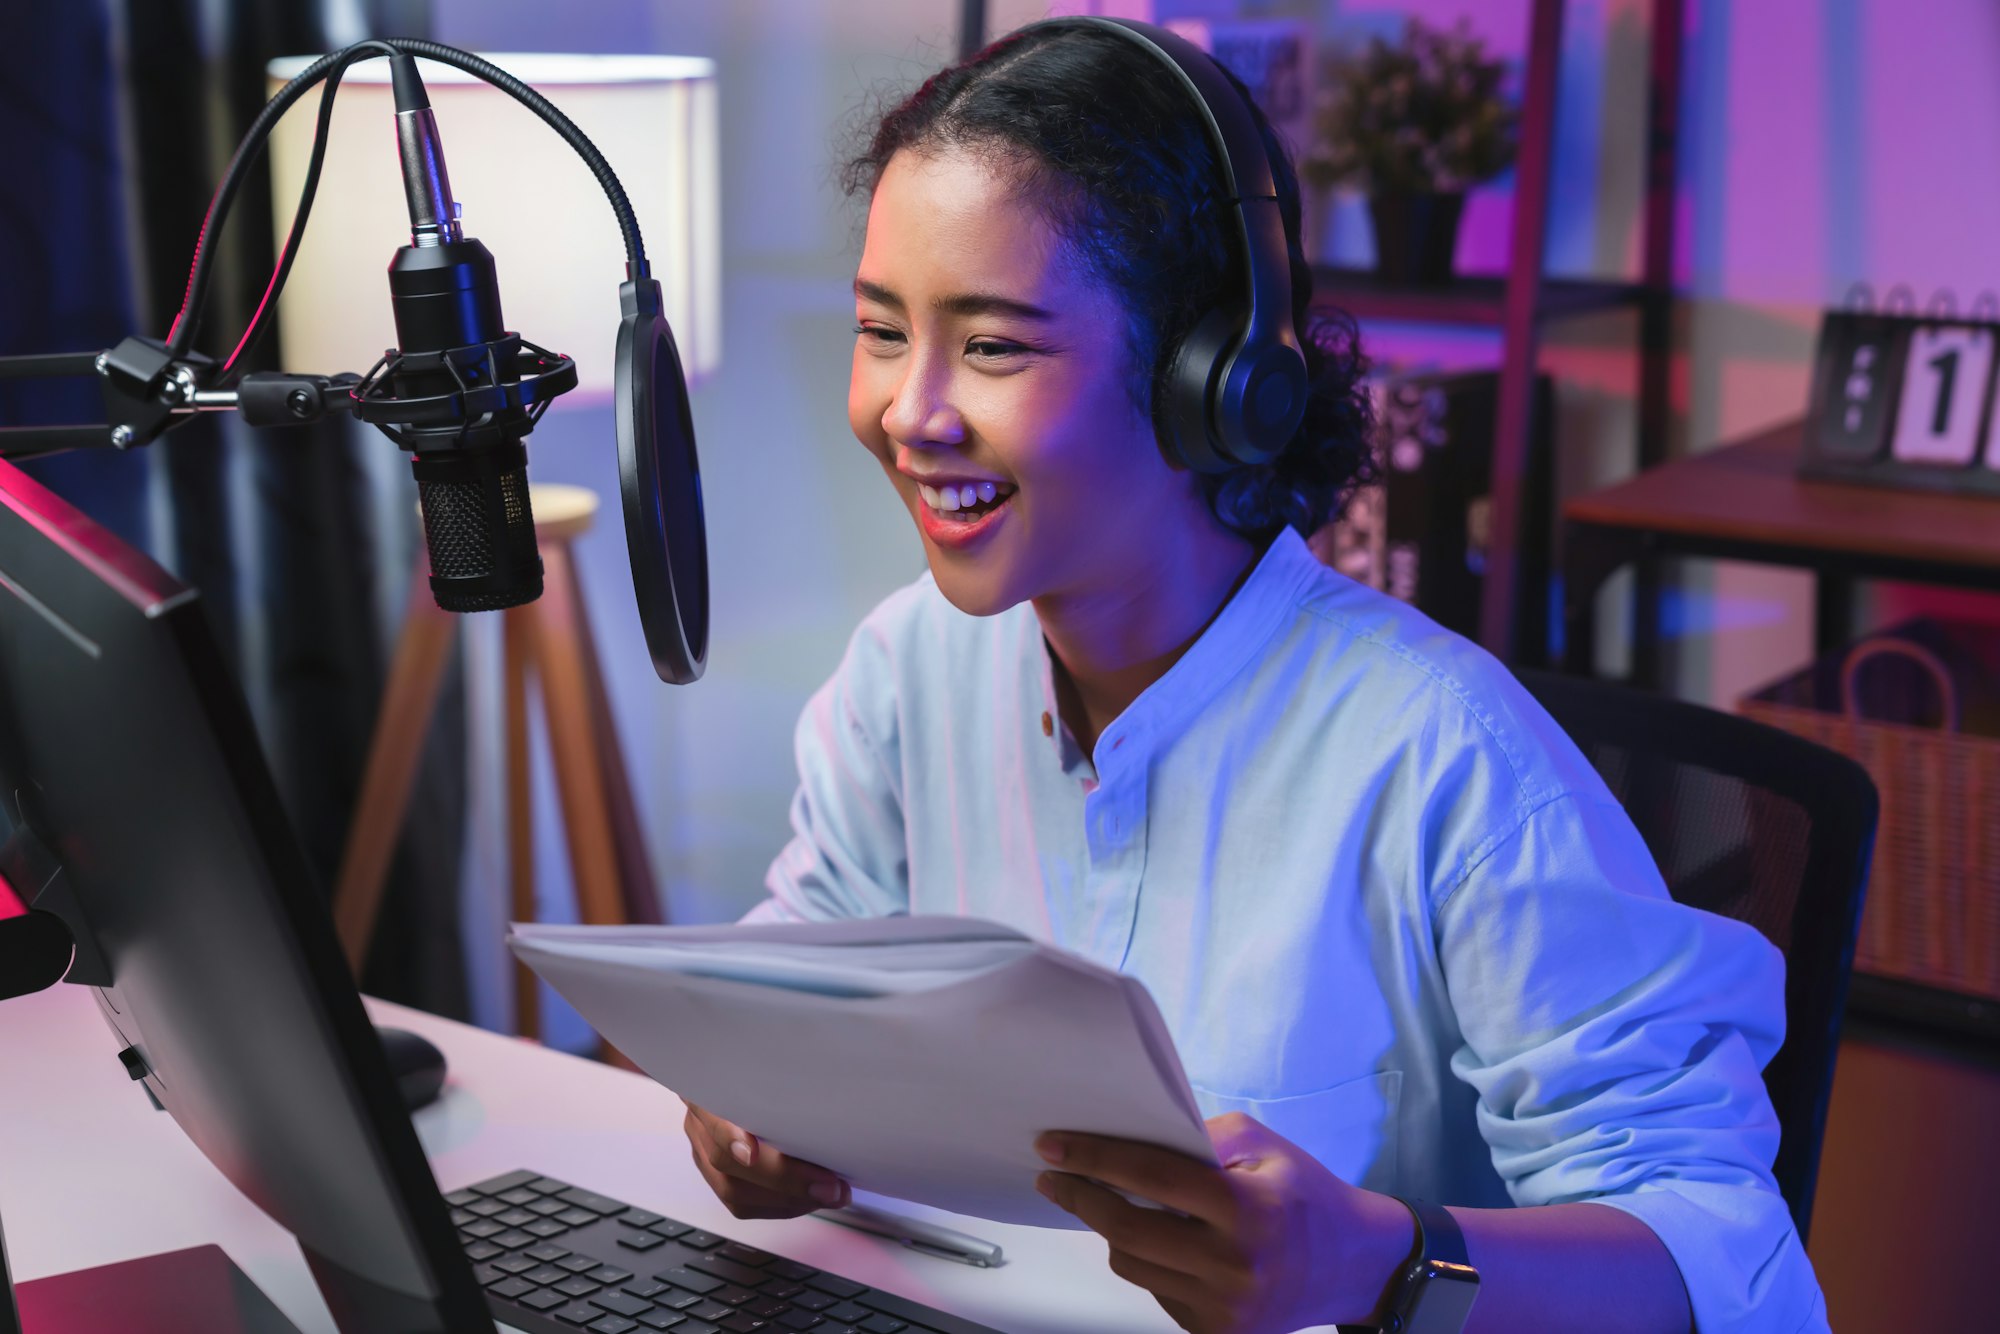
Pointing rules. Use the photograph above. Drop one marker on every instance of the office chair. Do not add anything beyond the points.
(1753, 823)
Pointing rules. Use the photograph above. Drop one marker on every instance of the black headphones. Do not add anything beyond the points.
(1236, 385)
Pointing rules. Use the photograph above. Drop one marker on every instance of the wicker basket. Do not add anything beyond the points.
(1919, 707)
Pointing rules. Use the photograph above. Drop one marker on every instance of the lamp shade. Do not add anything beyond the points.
(524, 193)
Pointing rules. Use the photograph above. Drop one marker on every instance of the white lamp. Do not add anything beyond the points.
(526, 195)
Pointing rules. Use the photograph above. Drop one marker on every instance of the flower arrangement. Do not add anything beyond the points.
(1422, 116)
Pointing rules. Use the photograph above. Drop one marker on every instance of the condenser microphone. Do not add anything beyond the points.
(455, 359)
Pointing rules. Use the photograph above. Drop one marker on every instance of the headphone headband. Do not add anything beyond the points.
(1237, 389)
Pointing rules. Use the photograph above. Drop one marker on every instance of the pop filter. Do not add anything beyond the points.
(660, 479)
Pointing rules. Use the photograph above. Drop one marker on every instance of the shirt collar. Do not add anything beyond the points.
(1232, 640)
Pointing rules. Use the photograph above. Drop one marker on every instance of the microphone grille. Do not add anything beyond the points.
(480, 529)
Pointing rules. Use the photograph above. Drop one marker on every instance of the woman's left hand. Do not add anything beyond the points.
(1268, 1243)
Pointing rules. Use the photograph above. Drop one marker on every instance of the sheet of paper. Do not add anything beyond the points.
(933, 1093)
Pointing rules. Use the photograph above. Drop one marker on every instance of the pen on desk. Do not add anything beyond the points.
(916, 1234)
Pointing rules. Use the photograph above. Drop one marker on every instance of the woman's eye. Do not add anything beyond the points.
(988, 350)
(877, 334)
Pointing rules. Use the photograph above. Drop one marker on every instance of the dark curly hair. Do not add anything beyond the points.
(1112, 150)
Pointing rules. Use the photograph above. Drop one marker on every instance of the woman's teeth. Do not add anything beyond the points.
(949, 498)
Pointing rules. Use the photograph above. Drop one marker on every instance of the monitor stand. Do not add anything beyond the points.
(196, 1291)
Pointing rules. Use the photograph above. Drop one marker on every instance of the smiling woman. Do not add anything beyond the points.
(1408, 946)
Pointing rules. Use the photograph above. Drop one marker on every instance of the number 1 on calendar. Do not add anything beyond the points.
(1945, 380)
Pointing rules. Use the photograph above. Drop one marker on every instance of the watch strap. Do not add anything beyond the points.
(1439, 1236)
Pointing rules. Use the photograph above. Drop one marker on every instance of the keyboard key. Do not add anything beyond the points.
(745, 1255)
(641, 1241)
(482, 1229)
(548, 1253)
(608, 1274)
(729, 1269)
(515, 1217)
(839, 1287)
(597, 1204)
(687, 1278)
(483, 1250)
(647, 1287)
(576, 1285)
(611, 1324)
(542, 1299)
(669, 1229)
(696, 1327)
(546, 1206)
(517, 1197)
(678, 1300)
(738, 1323)
(641, 1218)
(546, 1274)
(902, 1308)
(659, 1319)
(460, 1217)
(484, 1274)
(764, 1308)
(813, 1301)
(699, 1240)
(461, 1199)
(547, 1186)
(545, 1227)
(733, 1295)
(708, 1310)
(883, 1324)
(498, 1185)
(782, 1290)
(790, 1269)
(512, 1239)
(516, 1264)
(576, 1264)
(797, 1319)
(573, 1216)
(578, 1313)
(511, 1288)
(487, 1208)
(620, 1303)
(847, 1313)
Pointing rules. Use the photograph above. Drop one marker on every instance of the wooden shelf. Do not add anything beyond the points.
(1477, 301)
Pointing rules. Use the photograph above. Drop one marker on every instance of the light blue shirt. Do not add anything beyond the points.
(1384, 905)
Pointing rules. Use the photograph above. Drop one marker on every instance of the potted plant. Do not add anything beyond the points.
(1415, 123)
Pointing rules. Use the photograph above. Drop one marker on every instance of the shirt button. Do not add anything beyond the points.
(1048, 725)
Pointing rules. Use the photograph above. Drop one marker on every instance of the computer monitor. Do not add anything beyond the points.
(132, 785)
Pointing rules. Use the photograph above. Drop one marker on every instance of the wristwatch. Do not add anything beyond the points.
(1433, 1291)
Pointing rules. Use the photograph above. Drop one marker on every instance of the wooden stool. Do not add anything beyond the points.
(551, 638)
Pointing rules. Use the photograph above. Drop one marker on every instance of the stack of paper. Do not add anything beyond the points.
(917, 1057)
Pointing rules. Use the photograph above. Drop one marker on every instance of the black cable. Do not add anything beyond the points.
(628, 223)
(267, 309)
(181, 336)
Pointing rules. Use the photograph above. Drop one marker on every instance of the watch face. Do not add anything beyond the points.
(1444, 1297)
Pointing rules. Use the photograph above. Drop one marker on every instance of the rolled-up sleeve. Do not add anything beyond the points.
(1616, 1041)
(848, 855)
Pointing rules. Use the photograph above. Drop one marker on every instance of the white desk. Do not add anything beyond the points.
(90, 1174)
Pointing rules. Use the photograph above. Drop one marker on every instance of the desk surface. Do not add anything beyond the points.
(90, 1174)
(1749, 492)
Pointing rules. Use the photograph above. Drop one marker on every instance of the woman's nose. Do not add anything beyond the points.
(921, 412)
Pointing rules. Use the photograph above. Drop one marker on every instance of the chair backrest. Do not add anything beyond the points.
(1753, 823)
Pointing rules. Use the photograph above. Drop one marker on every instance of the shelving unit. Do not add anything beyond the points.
(1520, 301)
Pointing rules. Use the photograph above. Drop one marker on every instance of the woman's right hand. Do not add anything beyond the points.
(754, 1180)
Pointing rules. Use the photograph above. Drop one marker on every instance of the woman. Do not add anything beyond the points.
(1405, 941)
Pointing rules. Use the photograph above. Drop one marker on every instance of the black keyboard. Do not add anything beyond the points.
(555, 1259)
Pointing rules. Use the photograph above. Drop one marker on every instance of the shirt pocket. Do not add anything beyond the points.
(1351, 1128)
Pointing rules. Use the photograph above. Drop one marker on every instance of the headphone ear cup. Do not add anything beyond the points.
(1183, 417)
(1260, 399)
